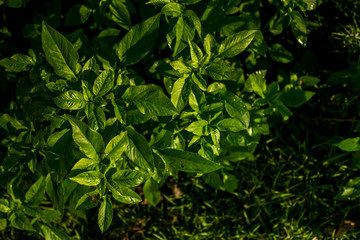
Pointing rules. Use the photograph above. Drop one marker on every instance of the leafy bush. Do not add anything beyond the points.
(133, 92)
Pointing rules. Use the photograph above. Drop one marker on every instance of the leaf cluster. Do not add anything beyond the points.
(185, 89)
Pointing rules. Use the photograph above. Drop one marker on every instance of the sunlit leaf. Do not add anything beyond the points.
(59, 52)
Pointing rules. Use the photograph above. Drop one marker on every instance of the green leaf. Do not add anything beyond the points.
(123, 194)
(158, 2)
(230, 124)
(20, 221)
(282, 109)
(230, 182)
(36, 192)
(3, 224)
(88, 200)
(149, 99)
(139, 41)
(57, 86)
(172, 9)
(7, 122)
(280, 54)
(119, 112)
(90, 68)
(311, 4)
(219, 70)
(130, 178)
(179, 66)
(295, 97)
(139, 151)
(298, 27)
(120, 14)
(213, 179)
(180, 93)
(17, 63)
(217, 88)
(70, 100)
(308, 81)
(349, 145)
(199, 128)
(199, 81)
(189, 2)
(195, 53)
(195, 20)
(116, 146)
(179, 30)
(59, 52)
(88, 96)
(15, 3)
(152, 192)
(197, 100)
(55, 191)
(50, 215)
(96, 116)
(4, 206)
(236, 43)
(159, 168)
(78, 14)
(209, 43)
(89, 141)
(89, 178)
(258, 45)
(188, 161)
(51, 233)
(258, 84)
(103, 83)
(56, 137)
(84, 164)
(105, 214)
(236, 108)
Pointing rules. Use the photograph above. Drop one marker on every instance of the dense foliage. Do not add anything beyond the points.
(105, 102)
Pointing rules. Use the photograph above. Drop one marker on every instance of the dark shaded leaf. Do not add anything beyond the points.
(298, 27)
(52, 233)
(236, 108)
(188, 161)
(295, 97)
(151, 192)
(88, 200)
(36, 192)
(77, 15)
(17, 63)
(139, 41)
(105, 214)
(280, 54)
(139, 151)
(120, 13)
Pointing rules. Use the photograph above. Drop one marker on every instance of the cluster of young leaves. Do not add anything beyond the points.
(89, 124)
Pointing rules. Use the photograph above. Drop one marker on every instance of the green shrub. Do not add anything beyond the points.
(132, 92)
